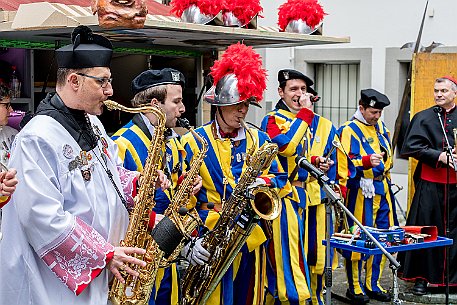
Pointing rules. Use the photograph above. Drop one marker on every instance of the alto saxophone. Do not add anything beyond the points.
(239, 215)
(137, 290)
(179, 222)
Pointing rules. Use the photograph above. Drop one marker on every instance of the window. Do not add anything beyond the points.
(338, 86)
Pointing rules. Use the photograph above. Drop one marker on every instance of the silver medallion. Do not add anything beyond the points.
(67, 151)
(73, 165)
(86, 174)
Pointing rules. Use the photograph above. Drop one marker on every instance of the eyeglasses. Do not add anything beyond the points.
(104, 81)
(6, 105)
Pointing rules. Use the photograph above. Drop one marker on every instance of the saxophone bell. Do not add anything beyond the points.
(265, 202)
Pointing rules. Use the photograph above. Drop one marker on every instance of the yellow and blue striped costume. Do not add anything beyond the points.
(360, 141)
(323, 133)
(225, 159)
(133, 141)
(287, 271)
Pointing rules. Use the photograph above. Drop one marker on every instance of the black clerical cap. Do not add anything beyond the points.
(87, 50)
(373, 98)
(152, 78)
(286, 74)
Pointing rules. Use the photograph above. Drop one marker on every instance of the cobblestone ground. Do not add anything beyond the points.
(436, 296)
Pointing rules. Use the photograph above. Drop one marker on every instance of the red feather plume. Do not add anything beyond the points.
(244, 10)
(309, 11)
(246, 64)
(207, 7)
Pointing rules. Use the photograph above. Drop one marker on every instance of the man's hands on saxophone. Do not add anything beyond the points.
(198, 183)
(194, 252)
(162, 180)
(122, 257)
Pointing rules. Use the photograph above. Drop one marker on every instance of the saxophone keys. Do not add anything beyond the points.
(206, 271)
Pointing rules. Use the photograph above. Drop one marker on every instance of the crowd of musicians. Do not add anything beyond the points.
(227, 201)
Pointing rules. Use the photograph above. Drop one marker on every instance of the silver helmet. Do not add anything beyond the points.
(229, 19)
(300, 26)
(225, 92)
(193, 15)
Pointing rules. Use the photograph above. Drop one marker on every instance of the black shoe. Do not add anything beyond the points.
(357, 299)
(378, 295)
(420, 287)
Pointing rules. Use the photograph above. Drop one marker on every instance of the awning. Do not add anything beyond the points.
(45, 25)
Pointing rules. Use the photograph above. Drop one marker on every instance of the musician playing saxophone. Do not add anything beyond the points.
(239, 81)
(162, 88)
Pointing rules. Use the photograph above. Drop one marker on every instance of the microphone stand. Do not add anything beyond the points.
(449, 157)
(334, 198)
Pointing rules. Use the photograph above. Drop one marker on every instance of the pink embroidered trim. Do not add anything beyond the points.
(128, 183)
(80, 253)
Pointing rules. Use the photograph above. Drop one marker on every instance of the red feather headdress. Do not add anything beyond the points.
(246, 64)
(244, 10)
(207, 7)
(310, 11)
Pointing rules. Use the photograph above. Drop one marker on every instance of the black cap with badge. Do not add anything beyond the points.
(87, 50)
(373, 98)
(152, 78)
(287, 74)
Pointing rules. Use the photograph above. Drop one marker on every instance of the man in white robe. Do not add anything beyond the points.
(64, 224)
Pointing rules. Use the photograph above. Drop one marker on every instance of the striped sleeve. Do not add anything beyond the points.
(287, 135)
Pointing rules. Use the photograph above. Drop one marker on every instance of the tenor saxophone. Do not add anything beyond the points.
(175, 229)
(239, 215)
(137, 290)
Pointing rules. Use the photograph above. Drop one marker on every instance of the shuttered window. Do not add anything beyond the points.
(338, 86)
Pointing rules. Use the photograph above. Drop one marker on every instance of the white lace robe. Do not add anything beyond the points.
(59, 229)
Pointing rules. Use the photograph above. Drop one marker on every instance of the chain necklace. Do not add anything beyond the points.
(103, 156)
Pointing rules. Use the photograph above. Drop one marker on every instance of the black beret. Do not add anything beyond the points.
(373, 98)
(87, 50)
(152, 78)
(286, 74)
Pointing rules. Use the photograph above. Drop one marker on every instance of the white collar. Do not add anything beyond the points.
(358, 115)
(151, 128)
(240, 136)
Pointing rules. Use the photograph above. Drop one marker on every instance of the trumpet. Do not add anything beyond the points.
(335, 144)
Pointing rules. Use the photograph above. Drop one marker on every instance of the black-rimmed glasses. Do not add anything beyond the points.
(104, 81)
(6, 105)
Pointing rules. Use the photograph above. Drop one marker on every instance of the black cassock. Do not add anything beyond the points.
(424, 141)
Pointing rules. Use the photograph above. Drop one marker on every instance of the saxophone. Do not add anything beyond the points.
(137, 290)
(179, 222)
(238, 217)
